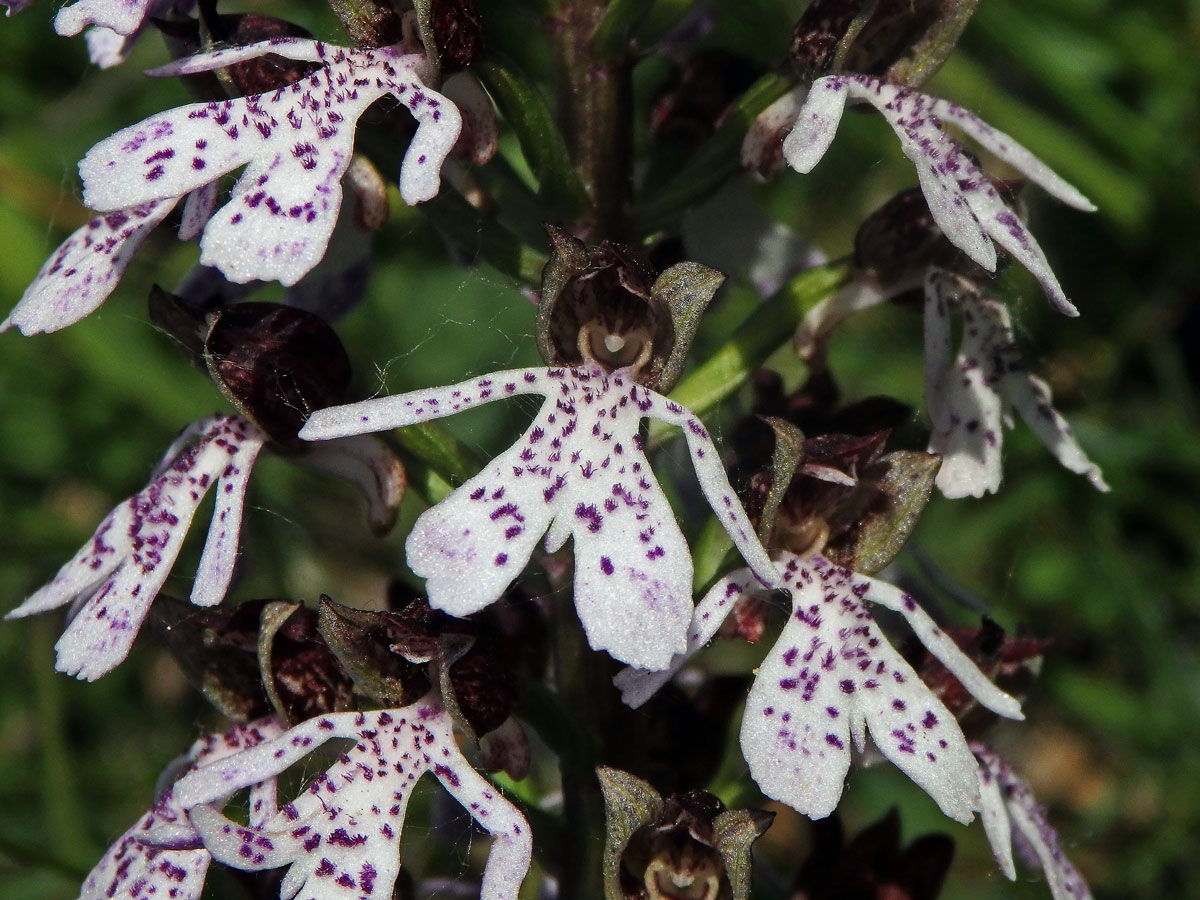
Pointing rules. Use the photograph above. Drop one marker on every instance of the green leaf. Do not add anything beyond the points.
(526, 111)
(629, 803)
(441, 451)
(481, 237)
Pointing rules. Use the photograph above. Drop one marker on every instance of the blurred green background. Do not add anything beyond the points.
(1106, 92)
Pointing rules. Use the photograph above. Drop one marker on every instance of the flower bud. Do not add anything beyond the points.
(902, 41)
(835, 492)
(457, 33)
(303, 677)
(691, 107)
(395, 656)
(276, 364)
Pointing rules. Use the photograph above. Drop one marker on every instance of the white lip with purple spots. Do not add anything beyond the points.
(1007, 803)
(296, 143)
(830, 677)
(965, 205)
(971, 395)
(118, 573)
(579, 471)
(162, 856)
(341, 836)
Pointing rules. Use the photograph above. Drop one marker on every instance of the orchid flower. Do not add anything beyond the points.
(161, 855)
(832, 675)
(971, 396)
(579, 471)
(116, 575)
(296, 143)
(1005, 802)
(964, 203)
(340, 837)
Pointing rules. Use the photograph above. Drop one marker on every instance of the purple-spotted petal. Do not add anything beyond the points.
(579, 463)
(964, 407)
(85, 268)
(633, 570)
(296, 144)
(198, 208)
(340, 837)
(831, 676)
(1007, 804)
(471, 546)
(639, 685)
(1004, 147)
(714, 483)
(161, 855)
(118, 573)
(968, 395)
(120, 16)
(12, 7)
(108, 48)
(220, 548)
(816, 123)
(1030, 396)
(965, 205)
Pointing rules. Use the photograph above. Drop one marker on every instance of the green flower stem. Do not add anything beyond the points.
(755, 339)
(65, 817)
(594, 89)
(583, 684)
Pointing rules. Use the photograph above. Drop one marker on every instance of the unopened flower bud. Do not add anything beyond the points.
(689, 110)
(276, 364)
(457, 33)
(303, 677)
(902, 41)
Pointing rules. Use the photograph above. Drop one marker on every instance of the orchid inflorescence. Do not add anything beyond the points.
(812, 504)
